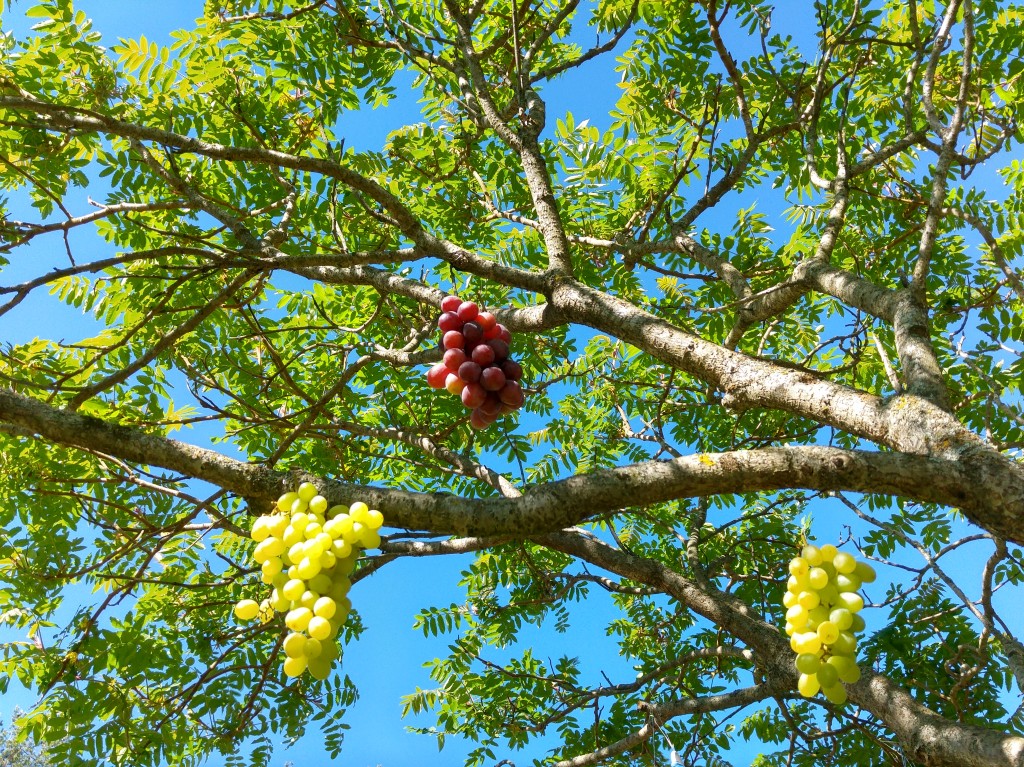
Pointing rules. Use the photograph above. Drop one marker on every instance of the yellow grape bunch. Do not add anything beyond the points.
(307, 552)
(822, 621)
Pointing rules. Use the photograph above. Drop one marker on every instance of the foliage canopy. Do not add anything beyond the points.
(781, 276)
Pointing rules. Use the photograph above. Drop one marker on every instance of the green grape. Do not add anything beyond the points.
(798, 566)
(858, 624)
(828, 552)
(836, 694)
(298, 619)
(807, 642)
(247, 609)
(847, 582)
(865, 572)
(294, 666)
(817, 615)
(319, 628)
(809, 599)
(313, 648)
(313, 529)
(320, 583)
(296, 552)
(369, 539)
(842, 618)
(308, 568)
(307, 491)
(827, 632)
(308, 599)
(829, 594)
(260, 529)
(828, 675)
(335, 511)
(808, 685)
(278, 524)
(319, 668)
(325, 607)
(797, 614)
(808, 663)
(294, 645)
(284, 503)
(374, 519)
(789, 599)
(329, 650)
(299, 507)
(817, 578)
(845, 644)
(293, 589)
(318, 504)
(812, 554)
(358, 509)
(852, 602)
(844, 563)
(291, 536)
(845, 667)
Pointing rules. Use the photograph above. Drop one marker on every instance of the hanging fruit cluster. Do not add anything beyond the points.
(476, 365)
(306, 552)
(822, 621)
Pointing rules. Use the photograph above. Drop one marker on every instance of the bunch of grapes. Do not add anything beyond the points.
(476, 364)
(307, 552)
(822, 621)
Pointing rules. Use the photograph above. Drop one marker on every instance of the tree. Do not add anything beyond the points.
(18, 752)
(779, 280)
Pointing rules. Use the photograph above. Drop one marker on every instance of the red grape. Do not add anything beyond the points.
(492, 379)
(453, 340)
(450, 304)
(473, 332)
(454, 384)
(436, 376)
(512, 394)
(449, 321)
(469, 371)
(503, 333)
(500, 349)
(477, 420)
(453, 358)
(492, 405)
(513, 370)
(491, 332)
(473, 396)
(467, 311)
(483, 355)
(486, 320)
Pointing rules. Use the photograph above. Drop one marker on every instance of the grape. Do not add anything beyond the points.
(483, 355)
(284, 503)
(325, 607)
(478, 420)
(453, 358)
(789, 599)
(294, 666)
(809, 599)
(827, 632)
(474, 395)
(513, 370)
(306, 491)
(797, 614)
(486, 321)
(294, 645)
(449, 321)
(320, 628)
(312, 649)
(512, 394)
(812, 555)
(369, 539)
(503, 333)
(473, 333)
(375, 520)
(500, 348)
(817, 578)
(454, 384)
(852, 602)
(844, 563)
(845, 667)
(318, 504)
(828, 675)
(842, 618)
(807, 642)
(467, 311)
(808, 663)
(847, 582)
(260, 529)
(865, 572)
(470, 371)
(828, 552)
(308, 567)
(453, 340)
(845, 644)
(858, 624)
(808, 685)
(450, 303)
(298, 619)
(492, 379)
(799, 566)
(836, 694)
(319, 668)
(247, 609)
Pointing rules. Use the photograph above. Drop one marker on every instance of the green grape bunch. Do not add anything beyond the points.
(822, 620)
(306, 552)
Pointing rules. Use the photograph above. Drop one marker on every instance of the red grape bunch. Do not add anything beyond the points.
(476, 364)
